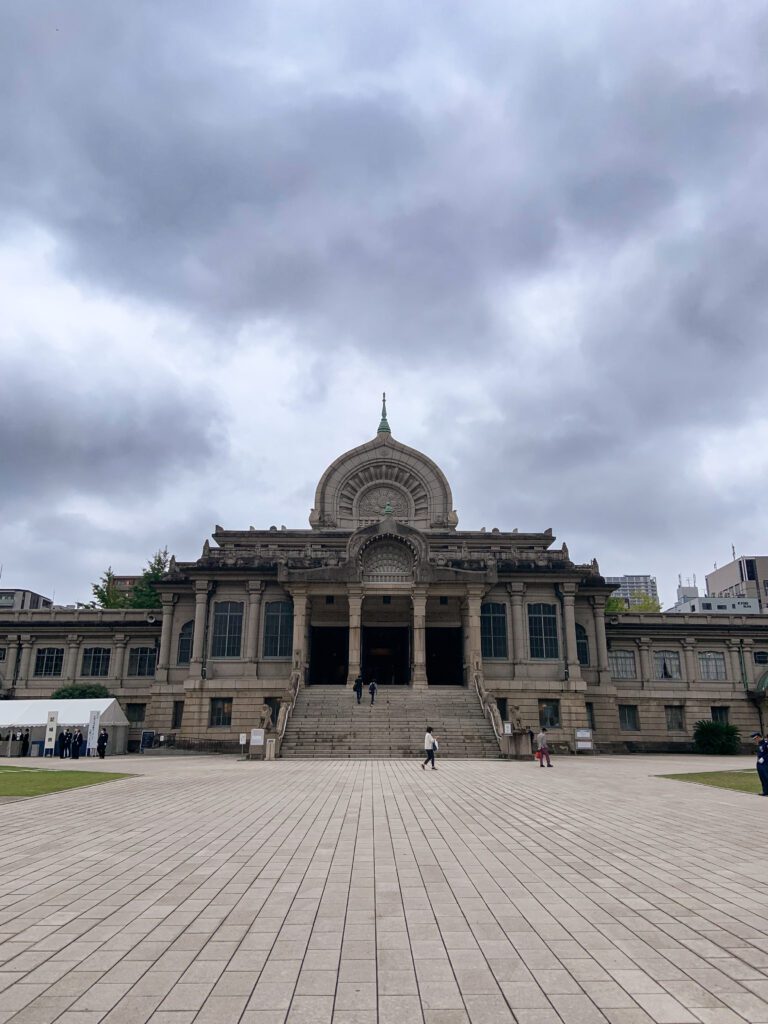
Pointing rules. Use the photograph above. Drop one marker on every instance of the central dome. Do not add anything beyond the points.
(383, 479)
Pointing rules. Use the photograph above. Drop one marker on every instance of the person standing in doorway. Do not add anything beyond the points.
(77, 742)
(101, 743)
(358, 688)
(372, 688)
(430, 746)
(762, 761)
(542, 742)
(25, 744)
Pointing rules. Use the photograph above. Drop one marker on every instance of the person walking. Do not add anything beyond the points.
(358, 688)
(762, 761)
(542, 742)
(101, 743)
(430, 746)
(372, 688)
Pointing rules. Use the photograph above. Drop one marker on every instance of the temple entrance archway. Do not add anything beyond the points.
(328, 655)
(385, 655)
(445, 656)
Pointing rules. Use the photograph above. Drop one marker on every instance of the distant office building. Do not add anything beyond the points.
(745, 576)
(629, 586)
(125, 584)
(690, 601)
(22, 600)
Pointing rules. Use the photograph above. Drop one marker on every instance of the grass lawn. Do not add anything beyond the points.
(36, 781)
(741, 781)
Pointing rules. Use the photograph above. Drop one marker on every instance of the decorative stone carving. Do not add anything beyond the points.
(379, 501)
(387, 561)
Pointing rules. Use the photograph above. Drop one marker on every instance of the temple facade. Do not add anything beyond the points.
(383, 584)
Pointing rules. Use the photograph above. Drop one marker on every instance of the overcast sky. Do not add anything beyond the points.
(225, 229)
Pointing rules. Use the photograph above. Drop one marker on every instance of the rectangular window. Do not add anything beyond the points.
(184, 651)
(221, 712)
(49, 661)
(278, 629)
(761, 657)
(629, 720)
(706, 605)
(136, 713)
(227, 629)
(549, 714)
(2, 653)
(501, 704)
(493, 630)
(330, 599)
(542, 630)
(712, 665)
(622, 664)
(141, 661)
(95, 661)
(178, 714)
(667, 665)
(590, 715)
(674, 713)
(720, 714)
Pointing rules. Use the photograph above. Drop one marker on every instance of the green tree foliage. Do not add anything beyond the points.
(80, 691)
(716, 738)
(615, 605)
(106, 593)
(144, 594)
(640, 602)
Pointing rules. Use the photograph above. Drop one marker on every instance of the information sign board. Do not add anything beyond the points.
(243, 738)
(93, 731)
(507, 728)
(51, 727)
(257, 737)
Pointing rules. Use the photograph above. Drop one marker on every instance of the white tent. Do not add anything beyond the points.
(33, 715)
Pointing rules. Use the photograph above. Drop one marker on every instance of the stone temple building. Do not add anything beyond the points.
(468, 629)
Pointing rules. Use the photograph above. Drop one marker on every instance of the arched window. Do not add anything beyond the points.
(278, 629)
(582, 645)
(186, 634)
(542, 631)
(667, 665)
(493, 630)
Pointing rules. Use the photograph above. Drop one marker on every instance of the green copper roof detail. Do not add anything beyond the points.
(384, 426)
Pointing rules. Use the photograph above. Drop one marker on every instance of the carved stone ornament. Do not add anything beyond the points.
(383, 500)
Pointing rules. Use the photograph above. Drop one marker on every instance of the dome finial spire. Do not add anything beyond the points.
(384, 426)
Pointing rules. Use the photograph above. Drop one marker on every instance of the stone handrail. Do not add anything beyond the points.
(490, 710)
(286, 707)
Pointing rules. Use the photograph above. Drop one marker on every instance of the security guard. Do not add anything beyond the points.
(762, 760)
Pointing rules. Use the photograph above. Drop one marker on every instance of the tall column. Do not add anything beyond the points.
(749, 662)
(73, 650)
(474, 604)
(646, 674)
(603, 664)
(689, 646)
(355, 601)
(569, 615)
(517, 594)
(300, 607)
(10, 661)
(419, 604)
(255, 593)
(735, 663)
(26, 658)
(198, 638)
(164, 654)
(118, 658)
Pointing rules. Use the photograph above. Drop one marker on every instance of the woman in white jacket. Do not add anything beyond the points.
(430, 745)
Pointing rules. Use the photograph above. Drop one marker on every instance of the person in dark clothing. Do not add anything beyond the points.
(101, 743)
(25, 744)
(68, 743)
(762, 761)
(77, 742)
(372, 688)
(358, 688)
(63, 744)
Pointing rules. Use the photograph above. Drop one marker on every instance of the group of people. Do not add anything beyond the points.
(20, 735)
(358, 689)
(70, 743)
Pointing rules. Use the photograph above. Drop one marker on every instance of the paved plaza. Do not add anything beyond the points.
(210, 890)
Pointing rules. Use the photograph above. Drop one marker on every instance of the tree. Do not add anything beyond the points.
(144, 594)
(80, 691)
(640, 602)
(615, 605)
(716, 738)
(107, 594)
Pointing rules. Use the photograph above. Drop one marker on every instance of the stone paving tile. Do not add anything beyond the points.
(213, 890)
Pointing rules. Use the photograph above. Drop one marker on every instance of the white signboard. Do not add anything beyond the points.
(243, 738)
(93, 730)
(257, 737)
(51, 727)
(584, 739)
(507, 728)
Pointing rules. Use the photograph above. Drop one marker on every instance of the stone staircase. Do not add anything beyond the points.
(328, 722)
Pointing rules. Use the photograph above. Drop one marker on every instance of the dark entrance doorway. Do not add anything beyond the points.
(329, 655)
(445, 656)
(385, 655)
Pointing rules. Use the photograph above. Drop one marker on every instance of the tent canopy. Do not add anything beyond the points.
(31, 713)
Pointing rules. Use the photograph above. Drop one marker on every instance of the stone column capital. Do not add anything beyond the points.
(201, 588)
(255, 587)
(167, 601)
(516, 590)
